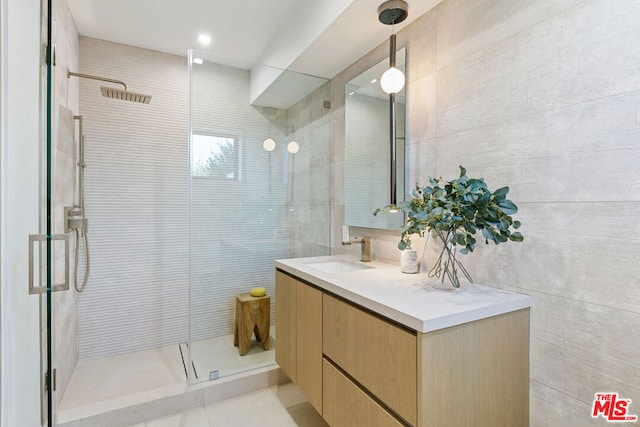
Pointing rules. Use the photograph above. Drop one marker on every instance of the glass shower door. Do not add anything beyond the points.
(48, 250)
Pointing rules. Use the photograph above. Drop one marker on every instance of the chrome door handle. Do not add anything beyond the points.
(33, 238)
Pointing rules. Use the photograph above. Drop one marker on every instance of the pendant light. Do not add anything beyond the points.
(390, 13)
(392, 81)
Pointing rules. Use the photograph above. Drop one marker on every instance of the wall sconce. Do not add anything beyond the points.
(392, 81)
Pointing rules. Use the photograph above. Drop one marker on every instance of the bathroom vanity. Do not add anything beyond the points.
(369, 345)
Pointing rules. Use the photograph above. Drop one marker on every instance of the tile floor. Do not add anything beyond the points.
(111, 383)
(276, 406)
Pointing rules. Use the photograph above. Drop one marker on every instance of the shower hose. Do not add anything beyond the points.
(86, 252)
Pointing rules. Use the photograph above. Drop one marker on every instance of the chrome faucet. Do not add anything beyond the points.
(365, 247)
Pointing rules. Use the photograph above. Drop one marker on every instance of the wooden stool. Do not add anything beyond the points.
(252, 315)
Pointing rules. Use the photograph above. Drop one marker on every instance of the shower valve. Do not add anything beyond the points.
(74, 219)
(71, 211)
(77, 223)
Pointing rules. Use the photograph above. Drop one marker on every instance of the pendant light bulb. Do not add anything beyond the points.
(392, 81)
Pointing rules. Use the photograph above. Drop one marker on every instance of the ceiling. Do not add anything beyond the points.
(315, 37)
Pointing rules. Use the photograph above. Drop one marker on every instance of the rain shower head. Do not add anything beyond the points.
(110, 92)
(125, 95)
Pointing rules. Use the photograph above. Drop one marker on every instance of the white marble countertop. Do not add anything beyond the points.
(402, 298)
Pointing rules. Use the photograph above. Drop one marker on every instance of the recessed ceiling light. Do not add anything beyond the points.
(204, 39)
(198, 61)
(374, 80)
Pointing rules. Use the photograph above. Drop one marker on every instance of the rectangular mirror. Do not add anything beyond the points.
(367, 155)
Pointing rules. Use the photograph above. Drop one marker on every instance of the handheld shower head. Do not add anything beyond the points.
(110, 92)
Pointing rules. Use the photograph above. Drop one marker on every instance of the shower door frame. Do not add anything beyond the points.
(46, 256)
(48, 376)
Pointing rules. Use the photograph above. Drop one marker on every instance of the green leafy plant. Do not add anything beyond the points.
(455, 211)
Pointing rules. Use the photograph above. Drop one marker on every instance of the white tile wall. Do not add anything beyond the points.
(137, 202)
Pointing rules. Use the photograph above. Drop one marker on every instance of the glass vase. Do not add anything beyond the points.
(439, 267)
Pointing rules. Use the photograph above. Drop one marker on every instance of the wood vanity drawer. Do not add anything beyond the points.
(345, 404)
(379, 355)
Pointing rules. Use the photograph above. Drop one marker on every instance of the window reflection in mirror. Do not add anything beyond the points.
(368, 148)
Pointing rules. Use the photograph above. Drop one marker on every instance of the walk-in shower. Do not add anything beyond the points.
(178, 232)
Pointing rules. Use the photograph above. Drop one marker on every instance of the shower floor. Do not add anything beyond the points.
(219, 354)
(110, 383)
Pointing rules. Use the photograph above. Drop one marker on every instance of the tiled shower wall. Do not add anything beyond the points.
(137, 202)
(543, 96)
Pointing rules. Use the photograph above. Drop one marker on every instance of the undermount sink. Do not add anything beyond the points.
(339, 266)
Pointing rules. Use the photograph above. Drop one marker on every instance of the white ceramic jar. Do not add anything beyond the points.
(409, 261)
